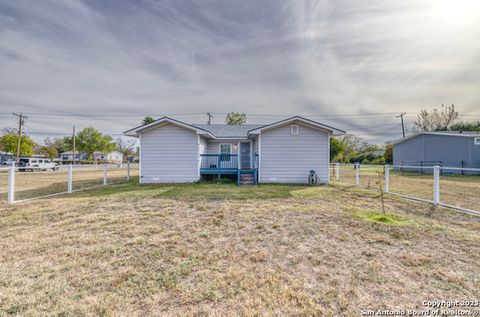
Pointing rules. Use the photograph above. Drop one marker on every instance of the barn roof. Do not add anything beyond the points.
(468, 134)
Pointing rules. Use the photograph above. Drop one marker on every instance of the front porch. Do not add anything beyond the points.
(245, 168)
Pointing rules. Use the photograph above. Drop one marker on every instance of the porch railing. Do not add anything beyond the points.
(218, 161)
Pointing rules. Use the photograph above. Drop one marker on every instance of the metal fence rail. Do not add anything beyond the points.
(457, 188)
(18, 185)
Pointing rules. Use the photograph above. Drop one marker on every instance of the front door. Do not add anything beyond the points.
(245, 155)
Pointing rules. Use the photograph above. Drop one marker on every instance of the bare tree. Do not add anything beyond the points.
(435, 120)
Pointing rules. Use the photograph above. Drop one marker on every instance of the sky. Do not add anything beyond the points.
(353, 64)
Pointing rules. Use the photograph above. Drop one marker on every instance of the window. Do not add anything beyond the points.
(477, 141)
(226, 150)
(294, 129)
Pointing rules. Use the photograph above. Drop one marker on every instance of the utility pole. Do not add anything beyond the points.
(73, 141)
(401, 118)
(21, 122)
(209, 117)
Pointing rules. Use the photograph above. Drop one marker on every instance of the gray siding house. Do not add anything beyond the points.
(452, 149)
(172, 151)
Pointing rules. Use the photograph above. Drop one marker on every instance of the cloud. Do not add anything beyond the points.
(260, 57)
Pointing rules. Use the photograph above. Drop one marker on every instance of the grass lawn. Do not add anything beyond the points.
(205, 249)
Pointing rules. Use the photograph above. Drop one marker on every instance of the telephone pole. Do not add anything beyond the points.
(209, 117)
(21, 122)
(73, 141)
(401, 118)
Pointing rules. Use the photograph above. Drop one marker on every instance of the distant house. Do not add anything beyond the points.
(286, 151)
(453, 149)
(111, 157)
(68, 156)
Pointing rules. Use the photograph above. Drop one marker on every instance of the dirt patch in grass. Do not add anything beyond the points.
(222, 250)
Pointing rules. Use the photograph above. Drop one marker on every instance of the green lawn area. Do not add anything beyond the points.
(217, 249)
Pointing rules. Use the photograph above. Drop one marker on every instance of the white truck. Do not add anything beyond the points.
(34, 164)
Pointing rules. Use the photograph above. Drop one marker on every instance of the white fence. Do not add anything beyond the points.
(457, 188)
(20, 184)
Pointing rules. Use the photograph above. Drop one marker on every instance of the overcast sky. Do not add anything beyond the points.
(349, 63)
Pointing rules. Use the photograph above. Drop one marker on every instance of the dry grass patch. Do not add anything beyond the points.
(222, 250)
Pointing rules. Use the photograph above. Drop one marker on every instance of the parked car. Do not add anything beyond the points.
(9, 162)
(36, 164)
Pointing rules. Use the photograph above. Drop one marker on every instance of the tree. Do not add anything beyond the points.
(336, 149)
(49, 151)
(60, 144)
(349, 149)
(126, 147)
(148, 120)
(466, 126)
(9, 144)
(236, 118)
(90, 140)
(388, 155)
(435, 120)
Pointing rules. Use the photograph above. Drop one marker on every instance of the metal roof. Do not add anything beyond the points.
(228, 130)
(444, 133)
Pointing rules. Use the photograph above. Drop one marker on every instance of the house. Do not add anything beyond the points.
(445, 148)
(172, 151)
(111, 157)
(68, 156)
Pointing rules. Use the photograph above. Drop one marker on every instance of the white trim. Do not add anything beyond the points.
(300, 119)
(163, 121)
(329, 158)
(198, 156)
(476, 141)
(260, 157)
(140, 159)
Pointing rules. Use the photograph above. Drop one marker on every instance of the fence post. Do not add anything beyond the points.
(387, 178)
(337, 172)
(128, 170)
(11, 184)
(70, 178)
(105, 172)
(357, 174)
(436, 185)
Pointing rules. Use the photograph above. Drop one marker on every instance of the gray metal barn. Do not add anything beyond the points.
(452, 149)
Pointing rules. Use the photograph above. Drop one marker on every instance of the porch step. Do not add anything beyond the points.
(247, 183)
(247, 179)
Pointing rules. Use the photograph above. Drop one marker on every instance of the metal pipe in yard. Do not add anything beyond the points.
(436, 185)
(387, 178)
(128, 170)
(70, 178)
(105, 173)
(337, 171)
(11, 184)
